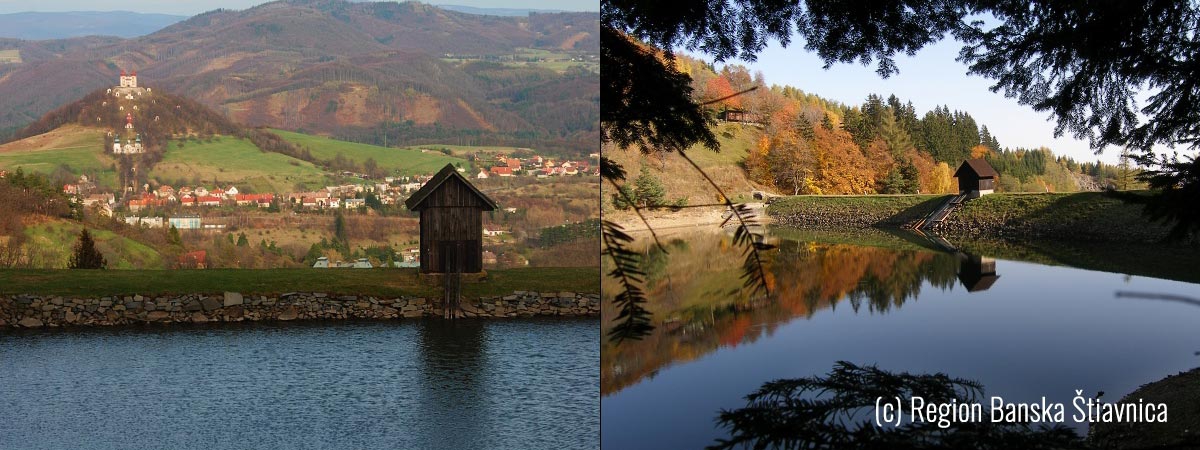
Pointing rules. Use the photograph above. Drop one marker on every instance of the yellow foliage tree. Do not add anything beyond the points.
(941, 180)
(980, 151)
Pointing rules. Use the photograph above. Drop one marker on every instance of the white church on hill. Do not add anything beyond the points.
(128, 80)
(128, 87)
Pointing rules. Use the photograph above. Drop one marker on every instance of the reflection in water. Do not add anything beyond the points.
(452, 356)
(1046, 330)
(837, 412)
(522, 384)
(690, 292)
(977, 273)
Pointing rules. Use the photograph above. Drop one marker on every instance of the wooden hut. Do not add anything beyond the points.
(733, 115)
(976, 178)
(977, 273)
(451, 223)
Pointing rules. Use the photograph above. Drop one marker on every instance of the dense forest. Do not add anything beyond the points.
(812, 145)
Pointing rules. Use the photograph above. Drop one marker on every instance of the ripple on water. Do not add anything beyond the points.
(432, 384)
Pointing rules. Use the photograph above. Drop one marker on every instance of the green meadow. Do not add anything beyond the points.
(377, 282)
(56, 240)
(406, 161)
(228, 160)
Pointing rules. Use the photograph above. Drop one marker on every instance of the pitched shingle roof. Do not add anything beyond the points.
(979, 166)
(445, 174)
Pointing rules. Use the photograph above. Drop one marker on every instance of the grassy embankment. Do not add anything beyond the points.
(852, 211)
(407, 161)
(372, 282)
(1080, 216)
(1086, 216)
(1090, 230)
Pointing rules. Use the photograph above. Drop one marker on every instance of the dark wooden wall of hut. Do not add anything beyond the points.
(452, 221)
(966, 184)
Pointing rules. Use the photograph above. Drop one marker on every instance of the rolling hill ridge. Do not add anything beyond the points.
(384, 73)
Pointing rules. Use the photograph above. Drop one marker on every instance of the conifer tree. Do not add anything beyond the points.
(86, 256)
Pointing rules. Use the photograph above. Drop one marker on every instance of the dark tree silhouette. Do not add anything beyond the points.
(833, 412)
(86, 256)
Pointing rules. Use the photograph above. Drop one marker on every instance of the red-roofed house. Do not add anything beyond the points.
(194, 260)
(208, 200)
(260, 200)
(502, 171)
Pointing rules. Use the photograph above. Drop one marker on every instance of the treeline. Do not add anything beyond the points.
(588, 229)
(811, 145)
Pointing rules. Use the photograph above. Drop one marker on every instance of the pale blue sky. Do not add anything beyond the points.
(930, 78)
(192, 7)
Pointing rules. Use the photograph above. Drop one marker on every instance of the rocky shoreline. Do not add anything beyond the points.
(37, 311)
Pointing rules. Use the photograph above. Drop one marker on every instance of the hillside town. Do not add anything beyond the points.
(136, 203)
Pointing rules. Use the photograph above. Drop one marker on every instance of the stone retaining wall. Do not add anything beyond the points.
(35, 311)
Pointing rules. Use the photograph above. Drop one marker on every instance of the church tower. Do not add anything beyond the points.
(128, 80)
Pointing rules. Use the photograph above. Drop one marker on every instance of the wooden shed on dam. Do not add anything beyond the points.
(451, 223)
(976, 178)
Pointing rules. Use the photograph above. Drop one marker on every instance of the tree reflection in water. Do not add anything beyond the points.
(691, 294)
(837, 412)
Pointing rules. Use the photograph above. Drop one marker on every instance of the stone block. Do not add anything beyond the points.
(210, 303)
(30, 322)
(233, 299)
(288, 313)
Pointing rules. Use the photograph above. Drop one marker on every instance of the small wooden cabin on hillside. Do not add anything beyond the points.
(451, 223)
(976, 178)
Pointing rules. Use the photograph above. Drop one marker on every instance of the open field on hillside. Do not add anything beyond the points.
(681, 180)
(229, 160)
(67, 137)
(461, 151)
(10, 56)
(71, 146)
(376, 282)
(55, 240)
(558, 61)
(406, 161)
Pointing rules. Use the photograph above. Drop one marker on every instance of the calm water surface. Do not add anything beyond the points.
(1033, 330)
(435, 384)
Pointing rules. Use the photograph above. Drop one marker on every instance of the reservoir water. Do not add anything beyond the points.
(434, 384)
(1025, 324)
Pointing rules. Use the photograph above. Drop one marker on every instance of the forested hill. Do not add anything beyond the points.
(378, 72)
(159, 117)
(805, 144)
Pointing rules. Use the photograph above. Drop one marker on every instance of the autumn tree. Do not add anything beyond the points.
(941, 179)
(756, 164)
(718, 87)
